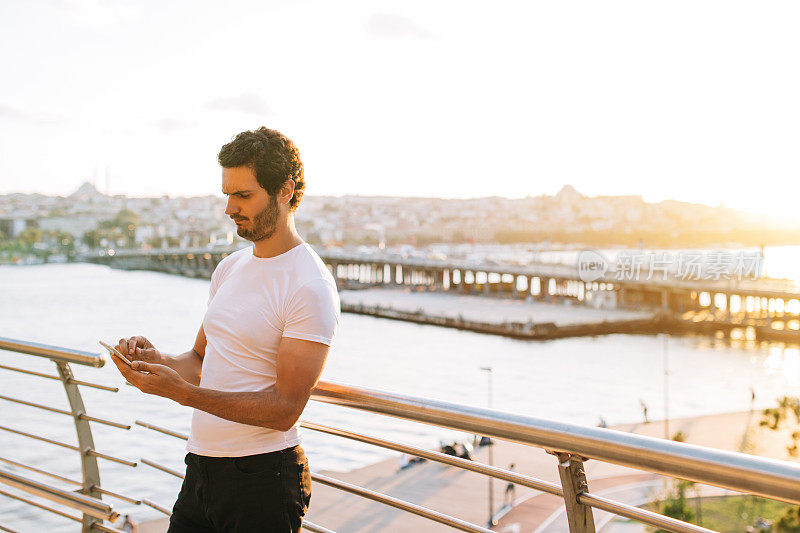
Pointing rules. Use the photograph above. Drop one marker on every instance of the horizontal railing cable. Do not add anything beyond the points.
(40, 471)
(30, 372)
(38, 437)
(39, 505)
(93, 385)
(71, 380)
(157, 507)
(85, 504)
(458, 462)
(160, 429)
(642, 515)
(163, 468)
(65, 412)
(400, 504)
(116, 495)
(314, 528)
(37, 405)
(105, 422)
(736, 471)
(107, 457)
(94, 453)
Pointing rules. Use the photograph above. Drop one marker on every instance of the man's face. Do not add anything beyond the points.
(255, 212)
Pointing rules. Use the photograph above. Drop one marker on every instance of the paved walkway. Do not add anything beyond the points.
(465, 494)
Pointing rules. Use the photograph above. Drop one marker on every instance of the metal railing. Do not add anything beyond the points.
(88, 498)
(571, 445)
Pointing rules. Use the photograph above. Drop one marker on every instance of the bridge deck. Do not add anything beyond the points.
(464, 494)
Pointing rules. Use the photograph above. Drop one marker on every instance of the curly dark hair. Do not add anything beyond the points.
(273, 157)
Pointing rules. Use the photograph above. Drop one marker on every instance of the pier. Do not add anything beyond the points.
(767, 309)
(517, 330)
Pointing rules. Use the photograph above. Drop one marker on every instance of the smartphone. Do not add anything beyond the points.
(116, 352)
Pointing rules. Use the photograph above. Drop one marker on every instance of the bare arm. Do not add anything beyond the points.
(300, 364)
(188, 364)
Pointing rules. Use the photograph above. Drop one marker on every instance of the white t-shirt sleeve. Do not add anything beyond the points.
(217, 277)
(313, 312)
(212, 288)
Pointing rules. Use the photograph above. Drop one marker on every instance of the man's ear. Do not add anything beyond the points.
(287, 191)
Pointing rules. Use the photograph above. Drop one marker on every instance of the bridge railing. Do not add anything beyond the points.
(87, 500)
(571, 445)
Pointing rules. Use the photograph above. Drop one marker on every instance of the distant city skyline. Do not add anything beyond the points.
(561, 190)
(567, 217)
(691, 102)
(101, 186)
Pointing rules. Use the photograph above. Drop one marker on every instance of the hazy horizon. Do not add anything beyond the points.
(688, 102)
(219, 195)
(309, 194)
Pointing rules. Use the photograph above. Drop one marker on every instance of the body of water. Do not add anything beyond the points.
(574, 380)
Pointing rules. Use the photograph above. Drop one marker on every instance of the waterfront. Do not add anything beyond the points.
(575, 380)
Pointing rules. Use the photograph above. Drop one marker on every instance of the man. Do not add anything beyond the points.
(272, 314)
(127, 525)
(511, 490)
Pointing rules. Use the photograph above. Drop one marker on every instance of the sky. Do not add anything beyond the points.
(688, 100)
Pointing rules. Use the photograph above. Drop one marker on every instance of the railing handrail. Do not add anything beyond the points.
(88, 501)
(86, 504)
(572, 444)
(740, 472)
(56, 353)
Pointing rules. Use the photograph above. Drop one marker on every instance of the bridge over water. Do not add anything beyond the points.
(717, 303)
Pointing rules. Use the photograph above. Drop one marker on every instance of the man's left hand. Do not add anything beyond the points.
(154, 379)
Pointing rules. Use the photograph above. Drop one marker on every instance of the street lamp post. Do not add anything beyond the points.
(666, 387)
(492, 521)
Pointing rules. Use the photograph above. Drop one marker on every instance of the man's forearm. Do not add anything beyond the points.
(263, 408)
(188, 365)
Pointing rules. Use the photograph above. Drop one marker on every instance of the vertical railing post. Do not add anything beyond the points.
(573, 481)
(91, 473)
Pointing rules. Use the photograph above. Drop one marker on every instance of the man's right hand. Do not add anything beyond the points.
(138, 348)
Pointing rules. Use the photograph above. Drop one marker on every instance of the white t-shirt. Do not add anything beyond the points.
(253, 302)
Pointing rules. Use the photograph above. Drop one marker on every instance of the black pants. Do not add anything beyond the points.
(269, 492)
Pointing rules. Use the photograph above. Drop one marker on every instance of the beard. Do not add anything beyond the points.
(264, 223)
